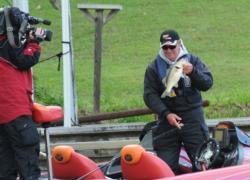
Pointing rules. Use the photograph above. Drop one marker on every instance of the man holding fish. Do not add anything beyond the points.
(172, 86)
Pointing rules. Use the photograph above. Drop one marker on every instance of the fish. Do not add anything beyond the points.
(172, 78)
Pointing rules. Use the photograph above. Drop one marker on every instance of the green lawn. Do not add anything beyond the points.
(215, 30)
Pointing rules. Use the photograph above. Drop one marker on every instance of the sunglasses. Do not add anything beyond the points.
(168, 47)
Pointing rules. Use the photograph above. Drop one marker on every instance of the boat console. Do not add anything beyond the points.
(221, 150)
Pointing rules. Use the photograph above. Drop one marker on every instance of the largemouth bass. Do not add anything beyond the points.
(172, 78)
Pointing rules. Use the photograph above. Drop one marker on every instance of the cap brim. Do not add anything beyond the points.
(169, 43)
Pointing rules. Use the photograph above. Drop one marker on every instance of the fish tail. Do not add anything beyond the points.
(169, 94)
(165, 94)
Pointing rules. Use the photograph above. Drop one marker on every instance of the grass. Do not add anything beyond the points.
(216, 31)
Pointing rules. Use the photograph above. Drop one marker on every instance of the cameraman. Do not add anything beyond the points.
(19, 139)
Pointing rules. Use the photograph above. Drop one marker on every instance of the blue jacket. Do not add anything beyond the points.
(188, 94)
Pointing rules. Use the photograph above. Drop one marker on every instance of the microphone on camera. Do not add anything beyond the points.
(35, 20)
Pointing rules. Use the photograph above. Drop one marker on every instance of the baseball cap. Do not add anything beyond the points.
(169, 37)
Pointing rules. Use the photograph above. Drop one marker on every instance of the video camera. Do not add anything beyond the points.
(18, 24)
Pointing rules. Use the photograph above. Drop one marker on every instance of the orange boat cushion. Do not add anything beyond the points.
(73, 164)
(147, 166)
(62, 154)
(43, 114)
(131, 154)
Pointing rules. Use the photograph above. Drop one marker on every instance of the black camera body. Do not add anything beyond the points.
(20, 23)
(48, 33)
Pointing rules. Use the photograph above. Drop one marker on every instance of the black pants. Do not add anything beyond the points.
(191, 135)
(19, 150)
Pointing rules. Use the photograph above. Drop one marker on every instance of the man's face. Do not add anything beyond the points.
(171, 52)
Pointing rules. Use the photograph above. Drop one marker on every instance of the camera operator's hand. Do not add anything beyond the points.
(37, 35)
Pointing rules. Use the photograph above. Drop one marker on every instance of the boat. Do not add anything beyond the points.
(225, 155)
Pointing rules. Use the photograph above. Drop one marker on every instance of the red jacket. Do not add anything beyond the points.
(16, 80)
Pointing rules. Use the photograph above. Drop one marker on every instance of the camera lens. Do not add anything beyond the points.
(48, 35)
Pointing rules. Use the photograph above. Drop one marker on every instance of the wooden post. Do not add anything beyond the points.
(98, 58)
(99, 21)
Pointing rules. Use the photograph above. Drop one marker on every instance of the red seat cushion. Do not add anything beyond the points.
(137, 163)
(43, 114)
(68, 164)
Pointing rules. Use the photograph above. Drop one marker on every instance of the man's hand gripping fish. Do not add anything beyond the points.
(172, 78)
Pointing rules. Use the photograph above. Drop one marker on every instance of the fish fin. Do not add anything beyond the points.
(172, 94)
(164, 80)
(184, 76)
(169, 94)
